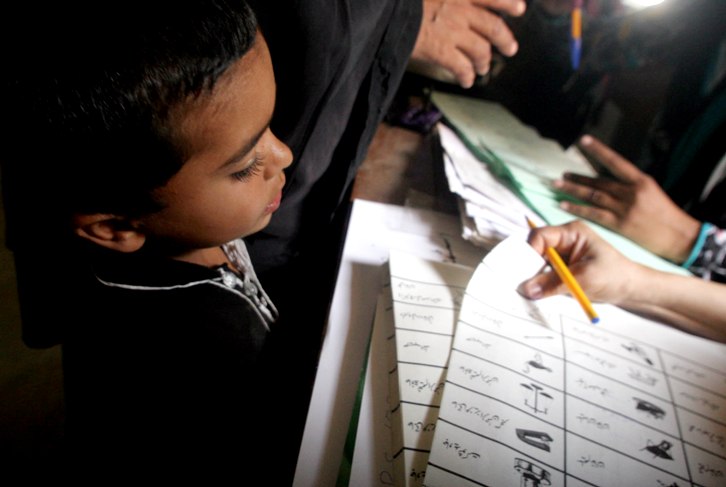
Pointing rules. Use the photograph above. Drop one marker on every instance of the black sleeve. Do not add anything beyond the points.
(171, 371)
(337, 66)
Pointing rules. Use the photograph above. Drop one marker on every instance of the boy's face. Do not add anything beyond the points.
(232, 181)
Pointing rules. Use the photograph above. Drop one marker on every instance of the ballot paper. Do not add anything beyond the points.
(373, 448)
(534, 394)
(468, 383)
(426, 297)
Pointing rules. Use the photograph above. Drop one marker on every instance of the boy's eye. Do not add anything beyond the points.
(249, 171)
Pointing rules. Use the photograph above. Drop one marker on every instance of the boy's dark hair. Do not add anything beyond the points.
(88, 102)
(88, 99)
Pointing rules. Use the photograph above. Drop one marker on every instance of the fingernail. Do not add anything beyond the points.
(521, 8)
(558, 183)
(585, 140)
(531, 291)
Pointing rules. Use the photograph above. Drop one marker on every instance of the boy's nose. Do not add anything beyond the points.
(281, 156)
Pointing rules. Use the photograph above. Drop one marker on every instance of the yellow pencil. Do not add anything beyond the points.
(566, 275)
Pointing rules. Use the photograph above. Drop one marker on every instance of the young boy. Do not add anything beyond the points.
(140, 145)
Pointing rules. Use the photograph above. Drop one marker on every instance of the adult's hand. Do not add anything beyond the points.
(458, 35)
(695, 305)
(629, 202)
(603, 272)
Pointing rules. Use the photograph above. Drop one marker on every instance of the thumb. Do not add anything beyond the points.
(542, 285)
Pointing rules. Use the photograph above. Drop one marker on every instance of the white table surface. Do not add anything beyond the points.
(374, 229)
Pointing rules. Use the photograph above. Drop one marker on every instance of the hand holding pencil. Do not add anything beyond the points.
(565, 275)
(600, 271)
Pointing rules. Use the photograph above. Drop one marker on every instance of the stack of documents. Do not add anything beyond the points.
(485, 387)
(489, 210)
(502, 171)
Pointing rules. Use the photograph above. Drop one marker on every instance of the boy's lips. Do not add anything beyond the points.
(275, 204)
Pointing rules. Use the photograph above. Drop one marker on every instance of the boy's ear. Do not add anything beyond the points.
(109, 231)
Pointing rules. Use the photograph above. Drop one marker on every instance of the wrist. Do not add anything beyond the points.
(678, 238)
(642, 288)
(697, 243)
(632, 291)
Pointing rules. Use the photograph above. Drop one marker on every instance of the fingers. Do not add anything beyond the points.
(458, 35)
(600, 269)
(587, 190)
(492, 29)
(590, 190)
(542, 285)
(566, 239)
(604, 217)
(570, 241)
(514, 8)
(474, 52)
(463, 64)
(614, 163)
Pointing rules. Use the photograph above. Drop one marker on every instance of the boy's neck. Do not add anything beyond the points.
(209, 257)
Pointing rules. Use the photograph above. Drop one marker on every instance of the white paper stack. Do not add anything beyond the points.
(489, 210)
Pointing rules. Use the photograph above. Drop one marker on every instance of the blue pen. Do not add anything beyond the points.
(576, 34)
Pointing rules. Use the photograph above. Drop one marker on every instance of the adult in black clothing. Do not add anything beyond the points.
(338, 66)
